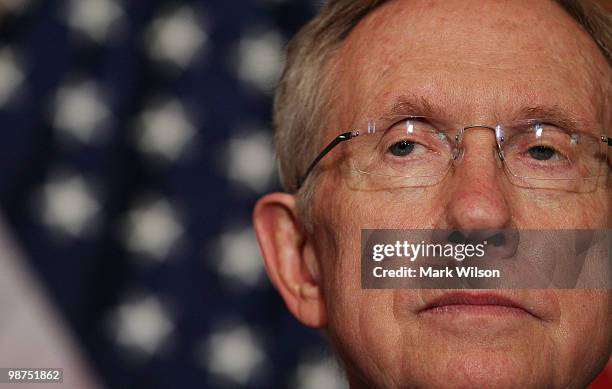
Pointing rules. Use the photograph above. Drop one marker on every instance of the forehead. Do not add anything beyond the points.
(474, 58)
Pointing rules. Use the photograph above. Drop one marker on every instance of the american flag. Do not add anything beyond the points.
(136, 138)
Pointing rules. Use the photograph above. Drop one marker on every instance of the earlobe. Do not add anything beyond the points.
(289, 257)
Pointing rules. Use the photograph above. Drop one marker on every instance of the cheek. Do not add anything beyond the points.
(363, 328)
(413, 208)
(585, 331)
(555, 210)
(339, 216)
(361, 322)
(592, 211)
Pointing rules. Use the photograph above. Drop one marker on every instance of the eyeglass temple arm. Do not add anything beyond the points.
(339, 139)
(609, 140)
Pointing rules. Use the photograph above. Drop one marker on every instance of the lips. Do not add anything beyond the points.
(461, 302)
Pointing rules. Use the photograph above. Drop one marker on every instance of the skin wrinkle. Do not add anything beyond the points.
(536, 51)
(332, 69)
(466, 62)
(352, 209)
(339, 271)
(427, 87)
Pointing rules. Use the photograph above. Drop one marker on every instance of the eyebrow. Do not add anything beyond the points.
(411, 105)
(553, 114)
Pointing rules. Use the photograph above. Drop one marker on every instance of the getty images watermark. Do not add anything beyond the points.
(486, 259)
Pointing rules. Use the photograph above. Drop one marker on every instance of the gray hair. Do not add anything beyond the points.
(304, 88)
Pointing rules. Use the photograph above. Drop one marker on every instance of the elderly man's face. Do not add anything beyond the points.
(474, 62)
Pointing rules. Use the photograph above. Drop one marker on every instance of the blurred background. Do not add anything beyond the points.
(135, 140)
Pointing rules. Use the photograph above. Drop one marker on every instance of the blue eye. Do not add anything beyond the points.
(401, 148)
(542, 153)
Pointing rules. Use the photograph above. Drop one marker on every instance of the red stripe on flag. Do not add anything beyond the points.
(604, 380)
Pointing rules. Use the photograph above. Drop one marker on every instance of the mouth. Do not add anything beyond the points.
(474, 304)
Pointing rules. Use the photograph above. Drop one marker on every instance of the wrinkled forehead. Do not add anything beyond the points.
(472, 58)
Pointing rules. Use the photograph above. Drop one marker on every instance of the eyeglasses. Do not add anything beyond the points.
(418, 151)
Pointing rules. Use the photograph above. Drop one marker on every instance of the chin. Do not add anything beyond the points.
(471, 368)
(478, 369)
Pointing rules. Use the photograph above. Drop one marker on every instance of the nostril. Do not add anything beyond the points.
(500, 244)
(497, 240)
(456, 237)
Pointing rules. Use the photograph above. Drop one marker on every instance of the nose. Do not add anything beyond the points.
(477, 198)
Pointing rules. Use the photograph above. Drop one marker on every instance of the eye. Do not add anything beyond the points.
(541, 153)
(544, 153)
(402, 148)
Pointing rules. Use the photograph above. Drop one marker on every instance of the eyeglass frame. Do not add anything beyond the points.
(346, 136)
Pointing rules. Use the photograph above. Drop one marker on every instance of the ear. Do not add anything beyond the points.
(290, 258)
